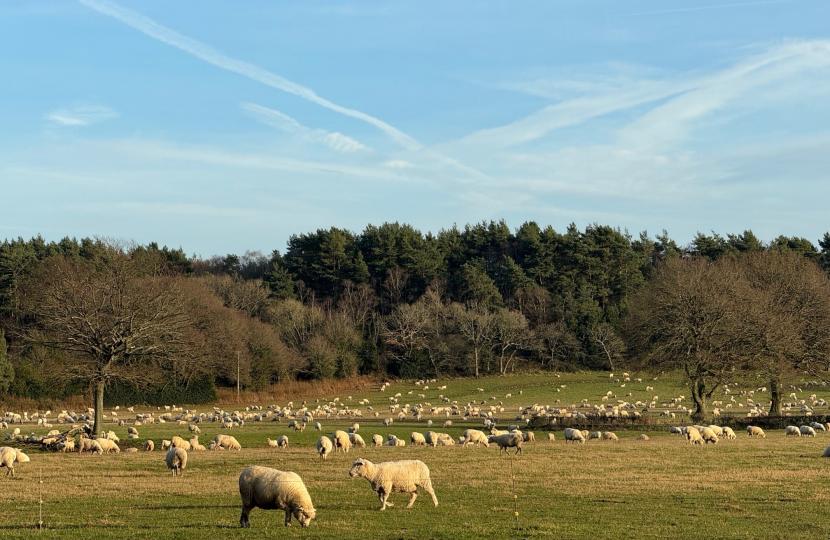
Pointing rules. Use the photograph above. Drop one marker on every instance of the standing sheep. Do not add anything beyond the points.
(474, 436)
(8, 456)
(417, 439)
(826, 452)
(395, 477)
(507, 440)
(108, 446)
(356, 440)
(693, 436)
(282, 441)
(551, 437)
(270, 489)
(755, 431)
(178, 442)
(149, 445)
(227, 441)
(728, 433)
(324, 446)
(708, 435)
(377, 440)
(340, 440)
(792, 431)
(573, 435)
(610, 436)
(807, 431)
(89, 445)
(176, 460)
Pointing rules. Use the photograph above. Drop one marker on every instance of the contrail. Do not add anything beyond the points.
(212, 56)
(703, 8)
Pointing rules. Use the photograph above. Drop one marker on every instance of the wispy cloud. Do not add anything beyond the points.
(208, 54)
(82, 115)
(335, 141)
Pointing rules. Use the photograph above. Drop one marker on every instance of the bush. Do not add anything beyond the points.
(200, 390)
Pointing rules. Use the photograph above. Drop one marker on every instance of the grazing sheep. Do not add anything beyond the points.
(392, 440)
(528, 436)
(395, 477)
(444, 440)
(166, 445)
(728, 433)
(474, 436)
(132, 431)
(270, 489)
(610, 436)
(716, 429)
(792, 431)
(595, 435)
(693, 436)
(417, 439)
(193, 428)
(178, 442)
(676, 430)
(709, 436)
(324, 447)
(826, 452)
(90, 445)
(377, 440)
(318, 426)
(341, 441)
(227, 441)
(507, 440)
(755, 431)
(8, 456)
(448, 424)
(149, 445)
(642, 437)
(573, 435)
(176, 460)
(807, 431)
(354, 428)
(387, 422)
(271, 442)
(282, 441)
(818, 426)
(431, 438)
(66, 446)
(108, 446)
(551, 437)
(356, 440)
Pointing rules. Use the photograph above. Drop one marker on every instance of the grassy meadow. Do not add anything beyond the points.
(773, 488)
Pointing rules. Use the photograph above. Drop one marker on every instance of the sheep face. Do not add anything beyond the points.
(357, 469)
(304, 516)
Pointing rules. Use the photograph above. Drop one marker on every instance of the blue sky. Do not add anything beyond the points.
(221, 127)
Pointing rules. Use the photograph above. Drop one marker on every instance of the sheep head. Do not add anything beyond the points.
(358, 468)
(304, 516)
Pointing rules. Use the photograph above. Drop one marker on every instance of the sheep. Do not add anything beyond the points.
(443, 440)
(318, 426)
(728, 433)
(507, 440)
(807, 431)
(176, 460)
(193, 428)
(324, 447)
(573, 435)
(271, 442)
(418, 439)
(474, 436)
(818, 426)
(166, 444)
(826, 452)
(431, 438)
(340, 440)
(708, 435)
(595, 435)
(132, 431)
(676, 430)
(755, 431)
(108, 446)
(528, 436)
(717, 430)
(149, 445)
(610, 436)
(89, 445)
(354, 428)
(228, 442)
(447, 424)
(282, 441)
(356, 440)
(395, 477)
(8, 456)
(377, 440)
(642, 437)
(551, 437)
(270, 489)
(693, 436)
(792, 431)
(66, 446)
(392, 440)
(178, 442)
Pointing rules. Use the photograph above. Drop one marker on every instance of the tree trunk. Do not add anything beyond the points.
(775, 398)
(99, 408)
(475, 357)
(699, 398)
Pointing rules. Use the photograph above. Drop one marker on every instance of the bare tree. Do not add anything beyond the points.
(476, 325)
(115, 321)
(558, 343)
(606, 338)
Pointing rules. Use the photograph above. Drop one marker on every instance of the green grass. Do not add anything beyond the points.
(747, 488)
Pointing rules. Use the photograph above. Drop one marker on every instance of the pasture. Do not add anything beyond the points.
(746, 488)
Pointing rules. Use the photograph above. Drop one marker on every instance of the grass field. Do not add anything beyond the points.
(746, 488)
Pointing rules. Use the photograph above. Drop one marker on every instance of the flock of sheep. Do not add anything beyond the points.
(266, 488)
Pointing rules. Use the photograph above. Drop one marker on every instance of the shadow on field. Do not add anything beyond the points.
(187, 506)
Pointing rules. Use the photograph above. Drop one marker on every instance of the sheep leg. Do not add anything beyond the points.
(243, 519)
(428, 488)
(288, 518)
(383, 495)
(412, 497)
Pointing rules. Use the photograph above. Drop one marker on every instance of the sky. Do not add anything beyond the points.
(222, 127)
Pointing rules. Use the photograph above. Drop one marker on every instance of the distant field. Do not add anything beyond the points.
(747, 488)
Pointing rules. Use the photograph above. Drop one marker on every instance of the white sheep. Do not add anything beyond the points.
(89, 445)
(474, 436)
(8, 456)
(395, 477)
(755, 431)
(324, 447)
(551, 437)
(176, 460)
(642, 437)
(507, 440)
(693, 436)
(528, 436)
(818, 426)
(270, 489)
(807, 431)
(728, 433)
(178, 442)
(573, 435)
(792, 431)
(708, 435)
(431, 438)
(377, 440)
(149, 445)
(108, 446)
(341, 441)
(227, 441)
(417, 439)
(717, 430)
(610, 436)
(826, 452)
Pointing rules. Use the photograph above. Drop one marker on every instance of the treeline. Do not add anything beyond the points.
(390, 300)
